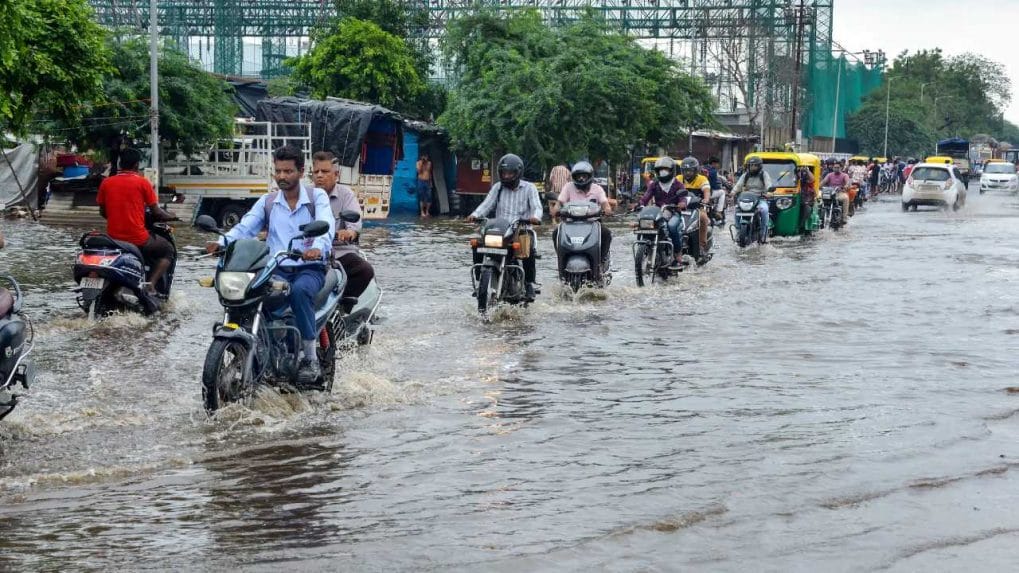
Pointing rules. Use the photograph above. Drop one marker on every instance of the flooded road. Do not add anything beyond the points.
(843, 404)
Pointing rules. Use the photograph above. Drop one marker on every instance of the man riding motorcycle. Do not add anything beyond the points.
(839, 180)
(665, 189)
(281, 213)
(756, 180)
(583, 188)
(514, 199)
(325, 171)
(122, 201)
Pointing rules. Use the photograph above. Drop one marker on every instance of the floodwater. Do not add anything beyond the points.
(848, 403)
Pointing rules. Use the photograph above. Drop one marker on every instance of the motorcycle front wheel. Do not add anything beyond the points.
(743, 238)
(223, 375)
(484, 290)
(576, 281)
(639, 261)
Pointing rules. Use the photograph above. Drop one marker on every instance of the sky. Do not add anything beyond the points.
(986, 27)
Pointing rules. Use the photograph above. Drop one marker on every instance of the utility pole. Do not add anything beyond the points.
(835, 122)
(800, 16)
(888, 102)
(154, 84)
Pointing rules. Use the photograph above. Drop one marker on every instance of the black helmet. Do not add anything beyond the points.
(582, 174)
(754, 162)
(510, 170)
(665, 170)
(690, 168)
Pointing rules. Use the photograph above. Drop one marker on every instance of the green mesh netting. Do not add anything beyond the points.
(822, 83)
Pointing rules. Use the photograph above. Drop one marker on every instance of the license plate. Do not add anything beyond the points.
(488, 251)
(92, 283)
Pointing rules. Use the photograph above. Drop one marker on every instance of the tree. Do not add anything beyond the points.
(359, 60)
(51, 57)
(195, 108)
(560, 94)
(908, 134)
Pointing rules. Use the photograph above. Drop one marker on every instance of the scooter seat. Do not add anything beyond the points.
(329, 286)
(6, 302)
(107, 242)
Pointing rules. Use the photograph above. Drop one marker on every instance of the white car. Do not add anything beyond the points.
(999, 177)
(934, 184)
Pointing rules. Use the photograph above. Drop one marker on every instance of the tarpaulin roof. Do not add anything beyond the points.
(337, 125)
(247, 94)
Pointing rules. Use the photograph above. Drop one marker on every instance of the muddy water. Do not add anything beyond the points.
(841, 404)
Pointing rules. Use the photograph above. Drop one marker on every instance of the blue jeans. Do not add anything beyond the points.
(675, 233)
(305, 282)
(762, 212)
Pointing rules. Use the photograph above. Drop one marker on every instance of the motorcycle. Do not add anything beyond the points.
(579, 248)
(258, 345)
(831, 208)
(747, 228)
(653, 252)
(16, 342)
(111, 275)
(497, 274)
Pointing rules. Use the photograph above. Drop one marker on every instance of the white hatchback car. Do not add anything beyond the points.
(934, 184)
(999, 176)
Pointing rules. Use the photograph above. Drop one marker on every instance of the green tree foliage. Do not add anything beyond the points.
(358, 60)
(963, 96)
(195, 108)
(51, 57)
(908, 134)
(556, 94)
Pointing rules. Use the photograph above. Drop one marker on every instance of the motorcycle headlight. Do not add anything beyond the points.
(746, 205)
(784, 203)
(647, 223)
(493, 241)
(232, 286)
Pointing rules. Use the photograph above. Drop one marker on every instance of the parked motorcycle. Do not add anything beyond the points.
(497, 274)
(747, 227)
(257, 343)
(16, 342)
(579, 248)
(653, 252)
(831, 208)
(111, 275)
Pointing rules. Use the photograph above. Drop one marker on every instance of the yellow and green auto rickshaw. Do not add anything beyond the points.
(784, 201)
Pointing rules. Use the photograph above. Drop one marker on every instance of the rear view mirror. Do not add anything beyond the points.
(350, 216)
(315, 228)
(207, 224)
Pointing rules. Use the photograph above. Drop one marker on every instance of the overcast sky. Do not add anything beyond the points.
(986, 27)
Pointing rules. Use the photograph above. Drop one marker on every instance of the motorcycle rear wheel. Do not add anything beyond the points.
(223, 375)
(639, 261)
(484, 290)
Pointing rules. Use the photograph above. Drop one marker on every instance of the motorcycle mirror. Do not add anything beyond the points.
(350, 216)
(206, 223)
(314, 228)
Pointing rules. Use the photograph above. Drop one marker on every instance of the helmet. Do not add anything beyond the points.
(690, 167)
(665, 170)
(754, 162)
(582, 174)
(510, 169)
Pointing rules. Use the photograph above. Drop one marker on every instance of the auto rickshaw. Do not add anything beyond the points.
(784, 202)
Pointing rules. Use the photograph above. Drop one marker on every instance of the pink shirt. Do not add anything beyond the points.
(595, 194)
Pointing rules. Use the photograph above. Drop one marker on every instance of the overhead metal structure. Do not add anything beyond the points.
(231, 37)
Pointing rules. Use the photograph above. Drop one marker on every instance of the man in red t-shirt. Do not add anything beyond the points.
(122, 201)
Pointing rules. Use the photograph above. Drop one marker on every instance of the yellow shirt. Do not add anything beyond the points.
(698, 183)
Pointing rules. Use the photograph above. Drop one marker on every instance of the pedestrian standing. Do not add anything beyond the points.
(424, 185)
(558, 178)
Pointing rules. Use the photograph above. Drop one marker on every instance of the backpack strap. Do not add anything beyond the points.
(270, 199)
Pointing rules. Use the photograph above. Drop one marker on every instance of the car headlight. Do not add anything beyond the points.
(784, 203)
(647, 224)
(493, 241)
(232, 286)
(746, 205)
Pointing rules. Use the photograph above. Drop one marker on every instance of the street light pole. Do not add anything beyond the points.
(888, 102)
(835, 122)
(922, 86)
(936, 120)
(154, 84)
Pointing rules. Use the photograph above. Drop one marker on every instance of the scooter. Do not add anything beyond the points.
(747, 227)
(497, 274)
(16, 343)
(831, 208)
(111, 275)
(578, 247)
(256, 344)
